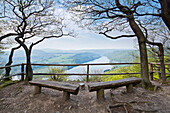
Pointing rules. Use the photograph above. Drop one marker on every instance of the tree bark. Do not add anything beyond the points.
(162, 65)
(143, 52)
(29, 71)
(165, 12)
(8, 69)
(141, 41)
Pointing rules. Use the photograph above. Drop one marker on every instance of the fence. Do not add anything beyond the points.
(22, 73)
(155, 68)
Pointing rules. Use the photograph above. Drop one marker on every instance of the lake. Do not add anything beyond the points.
(92, 69)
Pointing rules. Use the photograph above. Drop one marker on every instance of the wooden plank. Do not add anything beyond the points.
(100, 94)
(71, 88)
(87, 79)
(158, 63)
(22, 71)
(11, 76)
(113, 84)
(83, 74)
(83, 64)
(37, 90)
(66, 95)
(10, 66)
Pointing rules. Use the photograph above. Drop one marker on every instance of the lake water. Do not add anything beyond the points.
(98, 69)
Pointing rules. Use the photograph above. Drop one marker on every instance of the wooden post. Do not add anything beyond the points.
(66, 95)
(151, 71)
(87, 73)
(100, 94)
(22, 71)
(129, 88)
(37, 89)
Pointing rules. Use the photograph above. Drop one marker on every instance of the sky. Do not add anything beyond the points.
(85, 39)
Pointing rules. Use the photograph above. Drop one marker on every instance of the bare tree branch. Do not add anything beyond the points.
(121, 36)
(7, 35)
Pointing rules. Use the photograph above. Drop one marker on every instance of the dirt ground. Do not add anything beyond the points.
(19, 98)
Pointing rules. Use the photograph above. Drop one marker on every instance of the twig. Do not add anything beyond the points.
(125, 108)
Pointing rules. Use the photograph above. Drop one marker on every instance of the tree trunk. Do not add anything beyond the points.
(143, 52)
(8, 69)
(165, 12)
(29, 71)
(162, 65)
(142, 44)
(159, 73)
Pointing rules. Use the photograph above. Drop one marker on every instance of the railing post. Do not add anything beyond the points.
(151, 70)
(22, 71)
(87, 80)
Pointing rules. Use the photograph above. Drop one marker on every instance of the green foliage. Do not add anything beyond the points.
(129, 69)
(124, 56)
(58, 70)
(93, 78)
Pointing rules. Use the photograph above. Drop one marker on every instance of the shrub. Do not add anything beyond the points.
(57, 70)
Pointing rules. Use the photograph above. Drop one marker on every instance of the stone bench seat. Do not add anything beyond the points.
(67, 88)
(100, 86)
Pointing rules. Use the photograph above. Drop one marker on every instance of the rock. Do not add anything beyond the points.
(70, 107)
(31, 95)
(2, 99)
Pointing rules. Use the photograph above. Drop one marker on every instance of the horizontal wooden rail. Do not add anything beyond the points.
(82, 64)
(11, 76)
(77, 64)
(87, 65)
(10, 66)
(82, 74)
(158, 63)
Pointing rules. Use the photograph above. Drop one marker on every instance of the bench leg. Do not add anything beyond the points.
(129, 88)
(66, 95)
(37, 90)
(100, 94)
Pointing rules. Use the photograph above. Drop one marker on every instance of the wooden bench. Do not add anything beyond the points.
(65, 87)
(100, 86)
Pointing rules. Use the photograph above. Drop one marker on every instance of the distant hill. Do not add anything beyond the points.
(121, 56)
(71, 56)
(52, 56)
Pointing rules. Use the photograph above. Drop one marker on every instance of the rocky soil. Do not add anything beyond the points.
(18, 98)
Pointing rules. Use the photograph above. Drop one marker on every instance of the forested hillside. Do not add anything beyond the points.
(71, 56)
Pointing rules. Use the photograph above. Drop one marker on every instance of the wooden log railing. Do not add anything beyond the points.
(22, 73)
(153, 65)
